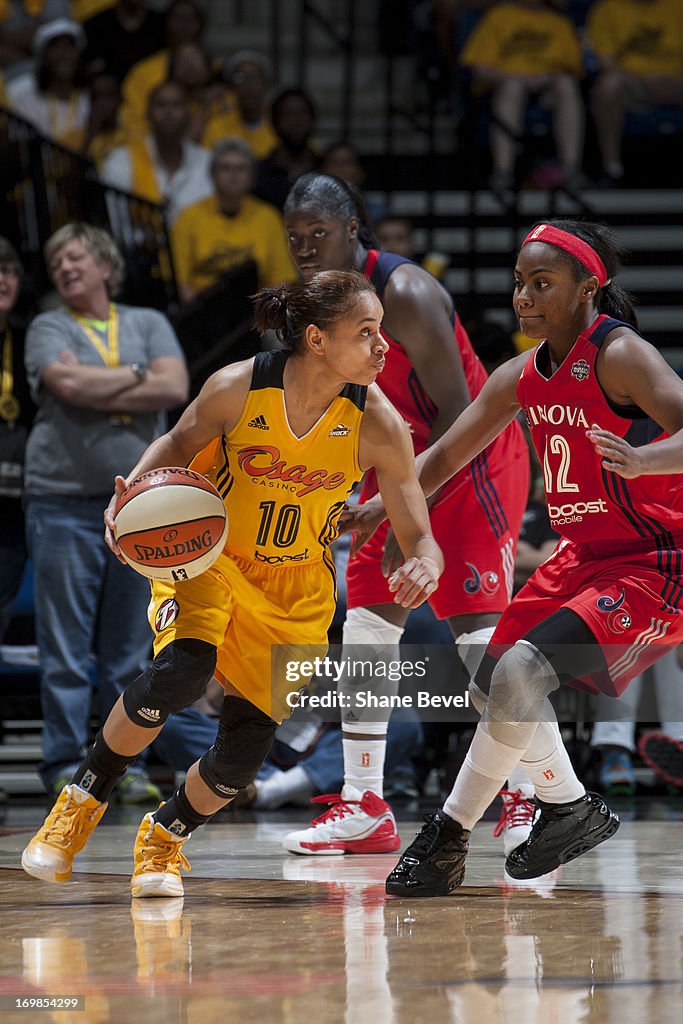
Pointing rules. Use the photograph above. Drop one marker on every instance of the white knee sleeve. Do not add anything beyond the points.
(472, 647)
(368, 637)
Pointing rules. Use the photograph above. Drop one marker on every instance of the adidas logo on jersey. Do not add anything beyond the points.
(259, 422)
(340, 431)
(151, 714)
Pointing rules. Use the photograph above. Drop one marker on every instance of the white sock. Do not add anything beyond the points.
(293, 786)
(487, 765)
(364, 763)
(549, 767)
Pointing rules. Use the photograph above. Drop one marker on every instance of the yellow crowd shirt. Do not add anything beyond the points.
(524, 41)
(644, 38)
(260, 138)
(81, 10)
(207, 243)
(137, 85)
(284, 493)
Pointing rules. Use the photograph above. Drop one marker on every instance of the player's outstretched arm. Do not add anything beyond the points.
(214, 411)
(385, 444)
(494, 408)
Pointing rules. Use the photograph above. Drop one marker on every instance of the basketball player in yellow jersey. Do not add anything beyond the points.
(284, 437)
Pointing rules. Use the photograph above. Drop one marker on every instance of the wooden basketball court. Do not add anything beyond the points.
(270, 937)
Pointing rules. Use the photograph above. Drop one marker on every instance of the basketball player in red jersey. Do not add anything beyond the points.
(272, 589)
(606, 417)
(431, 375)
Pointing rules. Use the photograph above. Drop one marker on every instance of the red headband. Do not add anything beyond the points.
(582, 251)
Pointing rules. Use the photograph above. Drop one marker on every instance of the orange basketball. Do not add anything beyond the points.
(170, 524)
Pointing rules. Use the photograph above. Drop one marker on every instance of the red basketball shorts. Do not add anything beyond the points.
(629, 600)
(476, 522)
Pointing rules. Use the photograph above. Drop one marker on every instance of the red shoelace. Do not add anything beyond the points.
(339, 807)
(517, 810)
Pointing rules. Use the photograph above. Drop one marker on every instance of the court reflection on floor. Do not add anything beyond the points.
(312, 948)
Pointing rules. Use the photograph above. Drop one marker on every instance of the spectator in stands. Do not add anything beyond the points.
(396, 234)
(293, 115)
(522, 51)
(209, 98)
(248, 74)
(102, 375)
(342, 159)
(122, 35)
(164, 166)
(229, 227)
(103, 133)
(53, 98)
(639, 45)
(184, 23)
(16, 416)
(18, 23)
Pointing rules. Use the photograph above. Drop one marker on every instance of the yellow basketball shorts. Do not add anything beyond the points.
(257, 616)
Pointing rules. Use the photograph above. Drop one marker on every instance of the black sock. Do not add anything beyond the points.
(101, 769)
(178, 815)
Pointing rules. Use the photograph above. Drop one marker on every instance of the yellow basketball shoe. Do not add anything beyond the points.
(158, 860)
(64, 833)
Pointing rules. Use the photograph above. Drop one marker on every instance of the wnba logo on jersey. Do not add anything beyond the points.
(488, 582)
(264, 463)
(580, 369)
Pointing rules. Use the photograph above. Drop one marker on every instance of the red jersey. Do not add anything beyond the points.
(400, 383)
(586, 502)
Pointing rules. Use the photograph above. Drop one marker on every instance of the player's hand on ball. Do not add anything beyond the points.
(362, 521)
(618, 456)
(119, 488)
(392, 555)
(414, 581)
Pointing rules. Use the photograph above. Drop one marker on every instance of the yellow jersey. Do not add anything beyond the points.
(284, 493)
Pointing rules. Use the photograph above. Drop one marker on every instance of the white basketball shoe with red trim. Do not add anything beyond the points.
(354, 823)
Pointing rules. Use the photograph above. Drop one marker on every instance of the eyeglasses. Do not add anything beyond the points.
(9, 270)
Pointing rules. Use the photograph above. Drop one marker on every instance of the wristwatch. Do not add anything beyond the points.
(140, 371)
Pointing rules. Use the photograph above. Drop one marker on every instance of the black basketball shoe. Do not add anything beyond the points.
(434, 863)
(664, 756)
(560, 833)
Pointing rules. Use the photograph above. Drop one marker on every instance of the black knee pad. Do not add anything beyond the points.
(245, 735)
(176, 678)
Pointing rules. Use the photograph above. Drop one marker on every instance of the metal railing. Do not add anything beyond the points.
(44, 186)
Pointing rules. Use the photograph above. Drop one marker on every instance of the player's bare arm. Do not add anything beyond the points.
(417, 314)
(632, 372)
(385, 444)
(215, 411)
(493, 409)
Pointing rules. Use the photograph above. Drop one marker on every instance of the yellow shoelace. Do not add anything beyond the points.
(162, 855)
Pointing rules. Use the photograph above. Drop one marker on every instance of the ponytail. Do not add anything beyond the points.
(271, 314)
(325, 299)
(614, 301)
